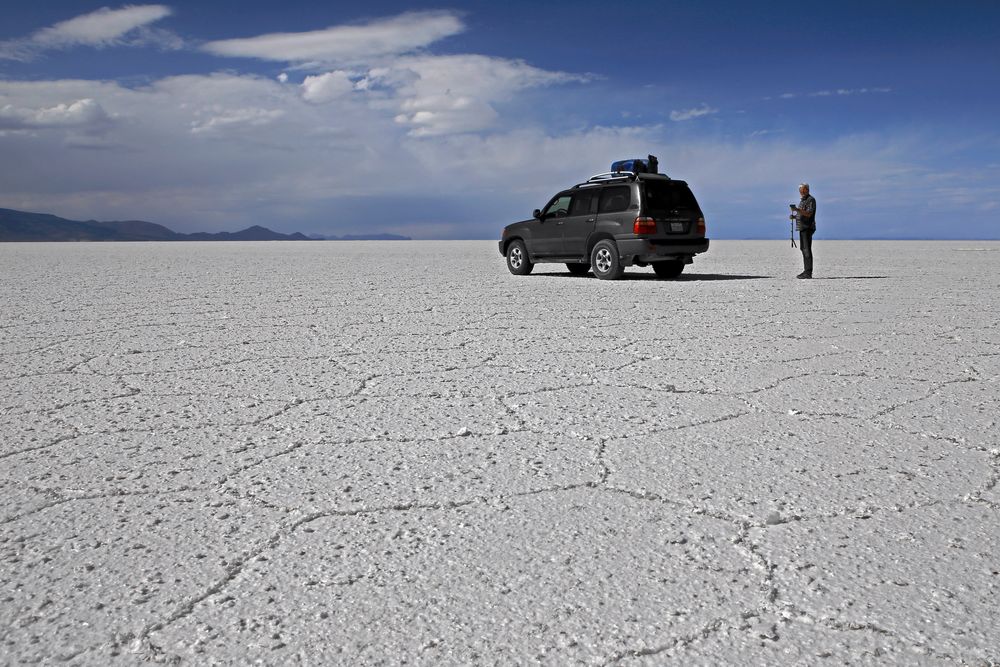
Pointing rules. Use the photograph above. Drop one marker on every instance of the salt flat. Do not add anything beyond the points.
(377, 453)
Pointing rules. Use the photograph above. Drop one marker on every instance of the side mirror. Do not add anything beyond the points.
(537, 214)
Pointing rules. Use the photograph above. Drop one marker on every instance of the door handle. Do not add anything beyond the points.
(591, 219)
(561, 222)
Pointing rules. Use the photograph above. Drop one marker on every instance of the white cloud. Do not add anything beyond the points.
(839, 92)
(688, 114)
(426, 95)
(84, 113)
(327, 87)
(346, 43)
(102, 27)
(448, 94)
(220, 119)
(128, 25)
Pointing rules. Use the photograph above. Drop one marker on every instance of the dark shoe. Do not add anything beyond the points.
(805, 274)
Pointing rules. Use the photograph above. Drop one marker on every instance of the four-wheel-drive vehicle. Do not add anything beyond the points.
(611, 221)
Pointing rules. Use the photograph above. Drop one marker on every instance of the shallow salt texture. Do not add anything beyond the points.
(364, 453)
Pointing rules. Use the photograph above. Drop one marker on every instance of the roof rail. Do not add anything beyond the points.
(611, 175)
(598, 179)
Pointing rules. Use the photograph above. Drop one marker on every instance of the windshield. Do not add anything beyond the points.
(665, 197)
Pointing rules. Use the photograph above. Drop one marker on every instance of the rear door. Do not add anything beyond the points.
(613, 209)
(580, 222)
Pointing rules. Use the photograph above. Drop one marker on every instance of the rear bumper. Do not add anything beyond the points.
(653, 250)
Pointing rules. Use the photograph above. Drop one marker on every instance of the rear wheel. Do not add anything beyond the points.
(517, 259)
(605, 261)
(578, 268)
(668, 269)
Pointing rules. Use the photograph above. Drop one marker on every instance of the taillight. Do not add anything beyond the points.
(701, 227)
(644, 226)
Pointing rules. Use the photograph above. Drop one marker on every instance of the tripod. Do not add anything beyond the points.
(791, 231)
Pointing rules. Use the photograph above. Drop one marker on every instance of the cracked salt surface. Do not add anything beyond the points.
(365, 453)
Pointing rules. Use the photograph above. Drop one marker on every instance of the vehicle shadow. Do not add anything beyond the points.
(684, 277)
(852, 278)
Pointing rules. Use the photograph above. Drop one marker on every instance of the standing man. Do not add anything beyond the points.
(805, 221)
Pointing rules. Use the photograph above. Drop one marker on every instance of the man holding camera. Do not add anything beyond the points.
(804, 216)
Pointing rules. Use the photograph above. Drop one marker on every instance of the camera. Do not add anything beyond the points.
(792, 206)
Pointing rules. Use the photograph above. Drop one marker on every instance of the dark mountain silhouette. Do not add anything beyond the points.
(23, 226)
(255, 233)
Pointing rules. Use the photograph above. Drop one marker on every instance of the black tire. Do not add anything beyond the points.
(605, 261)
(668, 269)
(517, 259)
(578, 268)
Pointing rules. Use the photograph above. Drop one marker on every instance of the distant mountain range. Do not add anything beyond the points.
(24, 226)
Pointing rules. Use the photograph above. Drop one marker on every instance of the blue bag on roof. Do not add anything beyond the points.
(647, 165)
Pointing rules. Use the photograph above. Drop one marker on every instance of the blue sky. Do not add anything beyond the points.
(450, 120)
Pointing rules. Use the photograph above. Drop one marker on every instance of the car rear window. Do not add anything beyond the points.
(614, 199)
(663, 197)
(581, 204)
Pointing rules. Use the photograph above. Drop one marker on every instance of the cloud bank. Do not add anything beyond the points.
(225, 151)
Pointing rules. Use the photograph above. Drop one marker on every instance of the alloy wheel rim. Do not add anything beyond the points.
(515, 258)
(603, 260)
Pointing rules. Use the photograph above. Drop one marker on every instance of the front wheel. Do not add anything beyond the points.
(668, 269)
(578, 268)
(605, 261)
(517, 259)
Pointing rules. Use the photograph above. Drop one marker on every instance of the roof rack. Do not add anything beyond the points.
(611, 175)
(598, 179)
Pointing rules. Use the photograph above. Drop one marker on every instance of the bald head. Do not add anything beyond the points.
(803, 189)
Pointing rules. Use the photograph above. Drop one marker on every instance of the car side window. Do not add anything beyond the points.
(615, 198)
(559, 207)
(581, 203)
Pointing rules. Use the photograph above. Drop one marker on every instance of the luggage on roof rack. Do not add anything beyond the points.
(625, 170)
(647, 165)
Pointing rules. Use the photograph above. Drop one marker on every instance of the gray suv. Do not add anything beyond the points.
(614, 220)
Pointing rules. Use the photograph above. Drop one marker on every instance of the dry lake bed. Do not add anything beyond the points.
(386, 453)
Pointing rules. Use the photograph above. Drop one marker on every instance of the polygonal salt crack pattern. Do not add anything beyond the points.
(534, 562)
(757, 465)
(102, 567)
(361, 453)
(939, 562)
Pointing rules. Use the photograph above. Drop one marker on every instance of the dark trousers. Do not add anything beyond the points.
(806, 242)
